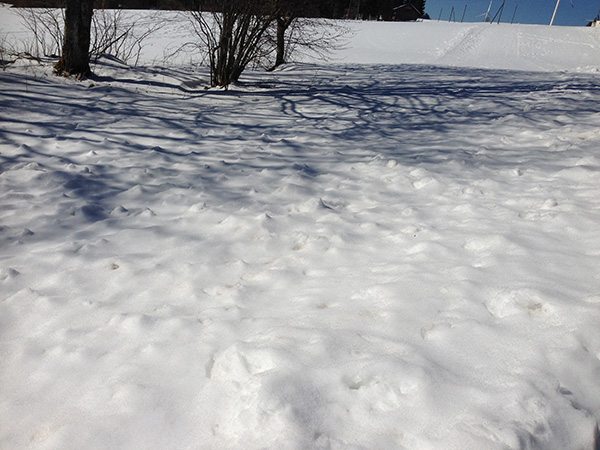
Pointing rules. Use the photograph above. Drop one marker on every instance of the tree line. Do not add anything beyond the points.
(230, 35)
(331, 9)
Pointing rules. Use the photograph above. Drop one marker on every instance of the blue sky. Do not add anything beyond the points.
(570, 12)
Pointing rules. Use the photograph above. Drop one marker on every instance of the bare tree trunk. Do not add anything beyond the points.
(242, 26)
(282, 26)
(75, 59)
(222, 76)
(280, 51)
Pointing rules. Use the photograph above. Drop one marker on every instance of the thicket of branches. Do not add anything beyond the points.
(231, 35)
(331, 9)
(4, 52)
(234, 34)
(112, 33)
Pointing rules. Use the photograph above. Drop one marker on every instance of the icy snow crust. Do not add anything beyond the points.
(332, 256)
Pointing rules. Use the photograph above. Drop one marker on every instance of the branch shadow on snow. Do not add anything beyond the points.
(103, 139)
(407, 108)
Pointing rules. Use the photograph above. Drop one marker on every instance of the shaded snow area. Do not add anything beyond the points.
(323, 257)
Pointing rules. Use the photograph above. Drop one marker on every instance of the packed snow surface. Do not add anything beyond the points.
(340, 256)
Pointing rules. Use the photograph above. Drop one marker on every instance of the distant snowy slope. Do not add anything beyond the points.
(520, 47)
(477, 45)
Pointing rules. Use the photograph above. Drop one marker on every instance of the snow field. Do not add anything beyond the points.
(341, 256)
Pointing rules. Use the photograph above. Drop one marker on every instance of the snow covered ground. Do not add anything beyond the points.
(329, 256)
(478, 45)
(481, 45)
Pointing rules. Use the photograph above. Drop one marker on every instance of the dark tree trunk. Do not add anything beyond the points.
(280, 54)
(242, 26)
(283, 24)
(222, 74)
(75, 59)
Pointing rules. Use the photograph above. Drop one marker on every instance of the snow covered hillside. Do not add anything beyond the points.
(342, 256)
(477, 45)
(492, 46)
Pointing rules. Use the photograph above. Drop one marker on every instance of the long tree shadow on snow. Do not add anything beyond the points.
(294, 121)
(410, 110)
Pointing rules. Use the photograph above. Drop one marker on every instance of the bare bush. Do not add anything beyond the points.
(8, 54)
(46, 28)
(231, 38)
(231, 35)
(117, 35)
(305, 38)
(113, 33)
(4, 52)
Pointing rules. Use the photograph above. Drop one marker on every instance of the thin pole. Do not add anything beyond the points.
(440, 16)
(554, 13)
(514, 13)
(500, 11)
(464, 12)
(451, 15)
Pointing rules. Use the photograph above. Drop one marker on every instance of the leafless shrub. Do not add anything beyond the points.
(46, 28)
(230, 35)
(114, 33)
(8, 55)
(232, 38)
(122, 37)
(312, 38)
(3, 52)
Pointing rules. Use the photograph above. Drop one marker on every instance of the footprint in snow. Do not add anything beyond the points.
(9, 274)
(132, 323)
(236, 363)
(436, 330)
(544, 211)
(488, 243)
(147, 212)
(19, 238)
(393, 387)
(422, 179)
(119, 211)
(514, 302)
